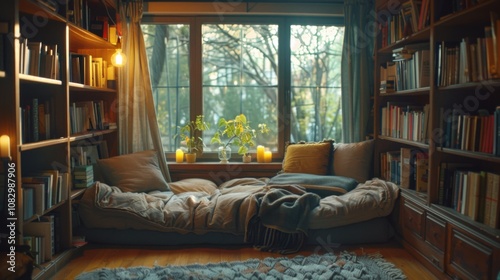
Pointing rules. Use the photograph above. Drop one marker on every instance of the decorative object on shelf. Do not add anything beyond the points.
(246, 158)
(5, 147)
(260, 153)
(188, 136)
(268, 156)
(179, 156)
(224, 154)
(190, 157)
(239, 132)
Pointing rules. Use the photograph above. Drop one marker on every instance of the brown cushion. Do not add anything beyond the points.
(353, 160)
(136, 172)
(310, 158)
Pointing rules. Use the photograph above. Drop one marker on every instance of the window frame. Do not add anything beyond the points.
(284, 63)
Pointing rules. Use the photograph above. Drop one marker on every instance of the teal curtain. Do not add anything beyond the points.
(357, 68)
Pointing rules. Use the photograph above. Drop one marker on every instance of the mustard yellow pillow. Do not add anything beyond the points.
(310, 158)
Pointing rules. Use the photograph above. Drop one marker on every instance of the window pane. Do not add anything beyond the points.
(240, 67)
(167, 47)
(316, 82)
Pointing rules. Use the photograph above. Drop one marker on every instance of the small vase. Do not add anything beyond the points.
(224, 154)
(247, 158)
(190, 158)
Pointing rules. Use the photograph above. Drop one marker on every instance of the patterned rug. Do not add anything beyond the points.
(329, 266)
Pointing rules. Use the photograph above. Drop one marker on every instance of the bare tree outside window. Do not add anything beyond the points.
(239, 67)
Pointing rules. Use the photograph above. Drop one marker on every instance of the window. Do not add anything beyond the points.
(200, 65)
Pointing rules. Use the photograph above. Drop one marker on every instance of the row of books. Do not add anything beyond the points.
(39, 59)
(42, 237)
(88, 153)
(83, 14)
(473, 193)
(410, 69)
(412, 17)
(36, 120)
(409, 122)
(88, 70)
(87, 116)
(42, 190)
(477, 133)
(470, 60)
(409, 168)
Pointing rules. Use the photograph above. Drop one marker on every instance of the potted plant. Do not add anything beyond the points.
(189, 135)
(239, 132)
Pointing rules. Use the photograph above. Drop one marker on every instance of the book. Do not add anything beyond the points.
(407, 168)
(492, 196)
(422, 171)
(38, 197)
(28, 203)
(44, 230)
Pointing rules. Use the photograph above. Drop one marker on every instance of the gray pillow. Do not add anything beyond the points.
(136, 172)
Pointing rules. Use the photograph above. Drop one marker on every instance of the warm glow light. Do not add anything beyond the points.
(5, 147)
(118, 59)
(260, 153)
(179, 156)
(268, 156)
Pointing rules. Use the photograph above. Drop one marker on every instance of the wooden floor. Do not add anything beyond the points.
(98, 256)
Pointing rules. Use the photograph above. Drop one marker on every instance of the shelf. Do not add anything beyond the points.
(417, 91)
(80, 38)
(42, 144)
(57, 263)
(470, 86)
(85, 88)
(35, 8)
(90, 134)
(75, 193)
(423, 146)
(422, 35)
(469, 17)
(470, 154)
(36, 79)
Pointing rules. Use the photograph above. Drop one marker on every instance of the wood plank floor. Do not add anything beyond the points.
(111, 256)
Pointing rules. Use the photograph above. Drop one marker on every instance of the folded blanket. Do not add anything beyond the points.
(282, 220)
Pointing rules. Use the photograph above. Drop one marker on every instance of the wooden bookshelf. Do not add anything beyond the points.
(451, 243)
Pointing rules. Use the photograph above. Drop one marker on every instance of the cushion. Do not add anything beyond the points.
(136, 172)
(193, 185)
(353, 160)
(311, 158)
(322, 185)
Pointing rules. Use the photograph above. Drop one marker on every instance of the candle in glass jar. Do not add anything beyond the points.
(260, 153)
(179, 156)
(268, 156)
(5, 147)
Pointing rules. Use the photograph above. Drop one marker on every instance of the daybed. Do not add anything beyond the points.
(133, 205)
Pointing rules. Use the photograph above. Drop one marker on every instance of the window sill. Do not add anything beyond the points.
(219, 173)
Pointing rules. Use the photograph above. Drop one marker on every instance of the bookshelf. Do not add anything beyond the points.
(37, 43)
(437, 98)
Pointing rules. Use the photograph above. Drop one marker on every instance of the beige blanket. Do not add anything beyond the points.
(228, 208)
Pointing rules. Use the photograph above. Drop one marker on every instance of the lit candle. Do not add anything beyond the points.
(179, 156)
(260, 153)
(5, 147)
(268, 156)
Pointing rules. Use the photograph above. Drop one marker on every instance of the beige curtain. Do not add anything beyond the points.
(138, 127)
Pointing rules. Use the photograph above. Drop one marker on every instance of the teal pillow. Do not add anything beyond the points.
(322, 185)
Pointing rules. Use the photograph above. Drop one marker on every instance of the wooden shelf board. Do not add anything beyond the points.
(85, 88)
(470, 154)
(90, 134)
(36, 79)
(82, 39)
(41, 144)
(403, 141)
